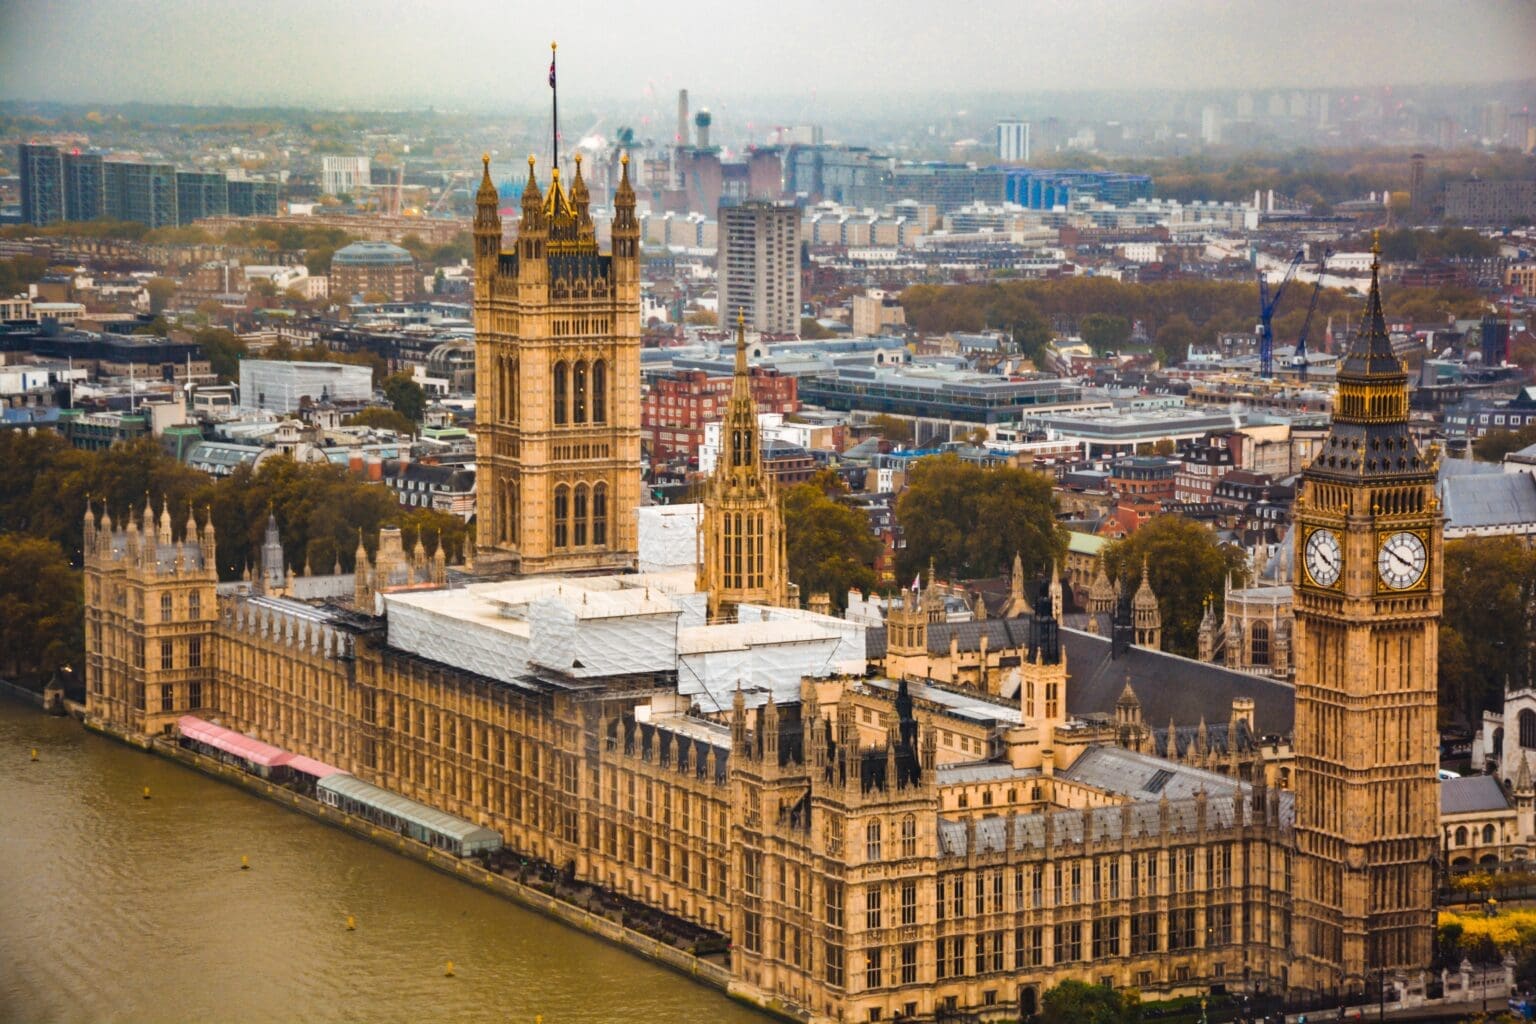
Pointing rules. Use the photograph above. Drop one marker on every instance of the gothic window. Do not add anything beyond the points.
(165, 608)
(1258, 645)
(557, 385)
(579, 393)
(1528, 729)
(510, 520)
(1487, 833)
(909, 836)
(600, 513)
(562, 516)
(872, 841)
(194, 605)
(579, 517)
(599, 392)
(1461, 835)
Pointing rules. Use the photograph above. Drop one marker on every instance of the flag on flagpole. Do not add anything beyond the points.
(551, 71)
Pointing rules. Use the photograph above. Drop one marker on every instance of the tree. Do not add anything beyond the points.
(1174, 338)
(160, 290)
(405, 395)
(893, 428)
(41, 610)
(970, 520)
(380, 418)
(1076, 1002)
(1486, 631)
(829, 544)
(811, 330)
(1187, 565)
(701, 318)
(434, 528)
(1104, 332)
(1494, 445)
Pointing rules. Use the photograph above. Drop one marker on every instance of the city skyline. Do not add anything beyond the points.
(349, 56)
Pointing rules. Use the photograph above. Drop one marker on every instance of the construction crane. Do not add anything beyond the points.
(1267, 314)
(1299, 360)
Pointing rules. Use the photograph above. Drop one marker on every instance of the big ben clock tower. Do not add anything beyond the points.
(1368, 597)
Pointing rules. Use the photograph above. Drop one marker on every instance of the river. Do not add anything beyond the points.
(117, 908)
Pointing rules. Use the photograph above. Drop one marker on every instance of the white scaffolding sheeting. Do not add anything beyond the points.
(768, 656)
(850, 657)
(458, 628)
(669, 537)
(585, 634)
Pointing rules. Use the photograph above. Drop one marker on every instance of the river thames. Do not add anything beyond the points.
(113, 907)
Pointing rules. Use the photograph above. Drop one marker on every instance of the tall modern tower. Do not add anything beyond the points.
(742, 560)
(1368, 602)
(1013, 142)
(42, 183)
(758, 264)
(85, 196)
(557, 382)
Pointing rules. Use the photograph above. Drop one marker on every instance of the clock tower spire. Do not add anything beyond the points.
(1368, 601)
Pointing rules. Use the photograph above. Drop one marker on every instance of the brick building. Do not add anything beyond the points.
(674, 412)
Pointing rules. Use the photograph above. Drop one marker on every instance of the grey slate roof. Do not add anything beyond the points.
(1170, 688)
(1472, 794)
(1000, 633)
(1470, 502)
(1143, 777)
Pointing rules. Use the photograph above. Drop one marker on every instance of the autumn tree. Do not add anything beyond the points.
(969, 520)
(1494, 445)
(160, 290)
(1187, 564)
(1174, 338)
(41, 611)
(828, 543)
(894, 429)
(380, 418)
(1486, 630)
(224, 350)
(1104, 332)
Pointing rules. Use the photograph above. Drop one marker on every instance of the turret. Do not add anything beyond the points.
(532, 231)
(739, 724)
(626, 228)
(581, 203)
(1056, 596)
(487, 231)
(1209, 633)
(1147, 617)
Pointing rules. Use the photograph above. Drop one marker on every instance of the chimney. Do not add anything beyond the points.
(375, 468)
(682, 117)
(355, 463)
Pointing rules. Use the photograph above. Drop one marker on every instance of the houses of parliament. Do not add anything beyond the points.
(878, 834)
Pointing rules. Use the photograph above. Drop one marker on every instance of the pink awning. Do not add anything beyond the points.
(309, 766)
(232, 742)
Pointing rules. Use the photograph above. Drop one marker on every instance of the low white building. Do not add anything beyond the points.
(279, 386)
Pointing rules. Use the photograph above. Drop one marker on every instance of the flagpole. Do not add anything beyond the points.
(554, 104)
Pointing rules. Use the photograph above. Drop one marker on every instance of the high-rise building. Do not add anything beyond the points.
(343, 174)
(253, 198)
(742, 559)
(1210, 126)
(1367, 612)
(1013, 142)
(758, 264)
(85, 195)
(42, 183)
(200, 194)
(144, 192)
(557, 335)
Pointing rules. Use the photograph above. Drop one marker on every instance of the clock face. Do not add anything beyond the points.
(1402, 560)
(1324, 558)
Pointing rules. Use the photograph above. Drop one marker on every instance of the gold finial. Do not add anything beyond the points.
(577, 158)
(531, 160)
(741, 317)
(552, 45)
(485, 158)
(624, 159)
(554, 173)
(1376, 242)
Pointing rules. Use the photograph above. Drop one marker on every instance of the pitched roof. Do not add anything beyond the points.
(1472, 794)
(1480, 501)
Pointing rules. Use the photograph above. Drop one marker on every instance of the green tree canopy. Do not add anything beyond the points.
(828, 543)
(406, 396)
(1076, 1002)
(1104, 332)
(811, 330)
(224, 349)
(160, 291)
(894, 429)
(970, 520)
(1187, 565)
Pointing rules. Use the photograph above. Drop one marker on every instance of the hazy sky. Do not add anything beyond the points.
(493, 53)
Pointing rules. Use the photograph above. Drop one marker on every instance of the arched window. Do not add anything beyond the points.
(579, 393)
(579, 517)
(1528, 729)
(909, 836)
(165, 608)
(599, 392)
(1487, 833)
(562, 516)
(1258, 646)
(872, 841)
(557, 384)
(600, 513)
(1461, 835)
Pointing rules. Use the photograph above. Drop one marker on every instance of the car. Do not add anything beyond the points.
(1445, 773)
